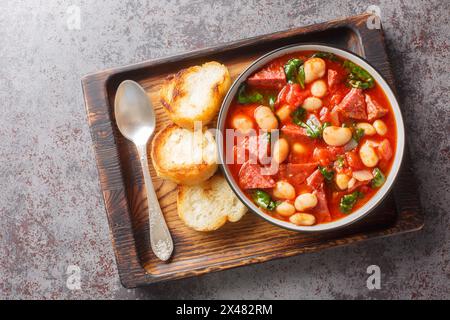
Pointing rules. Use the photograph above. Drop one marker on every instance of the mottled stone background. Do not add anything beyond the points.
(52, 214)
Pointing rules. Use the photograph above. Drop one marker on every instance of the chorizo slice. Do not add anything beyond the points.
(294, 131)
(374, 109)
(296, 173)
(255, 148)
(315, 180)
(321, 211)
(251, 177)
(333, 78)
(330, 116)
(272, 77)
(353, 105)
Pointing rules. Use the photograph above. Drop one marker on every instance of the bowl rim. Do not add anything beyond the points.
(379, 196)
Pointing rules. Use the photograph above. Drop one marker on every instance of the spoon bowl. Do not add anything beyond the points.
(135, 116)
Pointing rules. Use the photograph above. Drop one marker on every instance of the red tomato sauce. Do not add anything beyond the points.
(304, 149)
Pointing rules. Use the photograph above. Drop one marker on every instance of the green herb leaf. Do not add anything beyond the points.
(358, 134)
(301, 76)
(298, 116)
(349, 200)
(358, 84)
(340, 161)
(325, 124)
(291, 69)
(244, 97)
(357, 71)
(325, 55)
(313, 128)
(378, 178)
(358, 77)
(272, 205)
(272, 100)
(263, 200)
(327, 174)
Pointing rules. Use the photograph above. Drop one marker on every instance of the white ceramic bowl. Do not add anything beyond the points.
(381, 193)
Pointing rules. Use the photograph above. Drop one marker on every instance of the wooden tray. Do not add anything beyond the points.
(251, 240)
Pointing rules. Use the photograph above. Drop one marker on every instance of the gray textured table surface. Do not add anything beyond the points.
(51, 211)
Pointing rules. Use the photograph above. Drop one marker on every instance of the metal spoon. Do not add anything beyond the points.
(135, 118)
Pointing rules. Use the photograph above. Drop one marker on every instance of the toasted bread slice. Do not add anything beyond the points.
(209, 205)
(195, 94)
(184, 156)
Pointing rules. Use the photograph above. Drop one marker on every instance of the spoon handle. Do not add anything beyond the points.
(160, 238)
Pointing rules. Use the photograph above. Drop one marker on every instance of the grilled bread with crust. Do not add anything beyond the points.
(195, 94)
(209, 205)
(184, 156)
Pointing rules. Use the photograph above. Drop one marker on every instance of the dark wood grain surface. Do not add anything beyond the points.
(250, 240)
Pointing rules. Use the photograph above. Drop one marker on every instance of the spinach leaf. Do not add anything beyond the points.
(357, 71)
(295, 72)
(326, 55)
(298, 116)
(358, 84)
(378, 178)
(325, 124)
(358, 134)
(358, 77)
(272, 205)
(244, 97)
(272, 100)
(263, 200)
(327, 174)
(313, 128)
(291, 69)
(349, 200)
(301, 76)
(340, 161)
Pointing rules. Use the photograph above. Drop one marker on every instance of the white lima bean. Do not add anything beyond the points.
(336, 136)
(319, 88)
(280, 150)
(314, 69)
(284, 112)
(284, 190)
(312, 104)
(242, 123)
(342, 181)
(285, 209)
(265, 118)
(369, 130)
(368, 155)
(305, 201)
(380, 127)
(303, 219)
